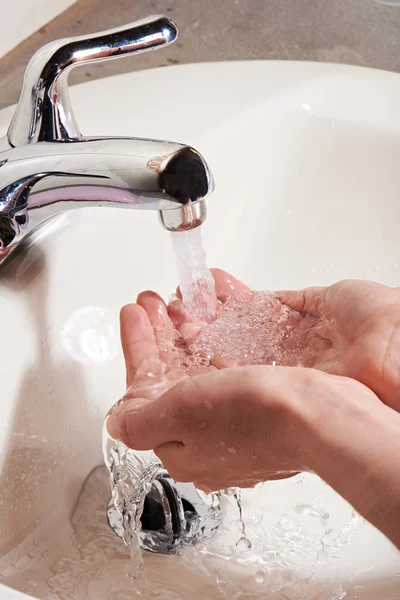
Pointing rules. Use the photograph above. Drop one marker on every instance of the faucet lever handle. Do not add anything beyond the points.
(44, 112)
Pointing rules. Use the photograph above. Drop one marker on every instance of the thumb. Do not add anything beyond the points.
(147, 424)
(144, 424)
(308, 300)
(120, 412)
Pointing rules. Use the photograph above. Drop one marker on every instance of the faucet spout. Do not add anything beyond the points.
(41, 180)
(47, 167)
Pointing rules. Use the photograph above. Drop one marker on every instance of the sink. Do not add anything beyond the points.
(305, 158)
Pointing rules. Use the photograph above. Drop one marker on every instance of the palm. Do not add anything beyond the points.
(154, 350)
(351, 329)
(360, 320)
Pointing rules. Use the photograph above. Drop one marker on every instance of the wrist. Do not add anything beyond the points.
(354, 444)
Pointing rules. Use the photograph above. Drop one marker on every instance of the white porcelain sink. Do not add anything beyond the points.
(306, 161)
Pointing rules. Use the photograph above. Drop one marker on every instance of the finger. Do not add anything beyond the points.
(177, 313)
(278, 476)
(222, 363)
(180, 412)
(137, 338)
(136, 422)
(214, 482)
(182, 320)
(114, 418)
(174, 459)
(190, 329)
(156, 309)
(309, 300)
(171, 418)
(226, 284)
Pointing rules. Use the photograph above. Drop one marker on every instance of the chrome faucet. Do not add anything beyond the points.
(48, 167)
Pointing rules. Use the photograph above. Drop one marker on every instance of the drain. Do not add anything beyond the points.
(174, 514)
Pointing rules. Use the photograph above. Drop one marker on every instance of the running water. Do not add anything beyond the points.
(132, 474)
(195, 279)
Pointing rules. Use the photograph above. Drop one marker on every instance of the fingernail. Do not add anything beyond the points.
(122, 407)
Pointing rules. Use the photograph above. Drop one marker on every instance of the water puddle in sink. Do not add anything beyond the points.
(292, 555)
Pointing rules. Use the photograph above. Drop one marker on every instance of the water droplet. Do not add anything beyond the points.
(222, 586)
(243, 545)
(325, 517)
(232, 450)
(259, 576)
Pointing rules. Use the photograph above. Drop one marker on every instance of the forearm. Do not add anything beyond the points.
(356, 450)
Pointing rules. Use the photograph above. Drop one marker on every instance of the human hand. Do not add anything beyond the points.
(361, 320)
(155, 352)
(239, 426)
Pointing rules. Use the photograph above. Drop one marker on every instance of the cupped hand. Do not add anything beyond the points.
(155, 339)
(243, 425)
(240, 426)
(361, 320)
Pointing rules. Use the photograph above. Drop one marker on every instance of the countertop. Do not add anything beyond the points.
(359, 32)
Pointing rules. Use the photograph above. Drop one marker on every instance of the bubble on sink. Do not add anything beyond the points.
(90, 336)
(243, 544)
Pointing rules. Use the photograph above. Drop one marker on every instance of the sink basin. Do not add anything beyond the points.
(305, 158)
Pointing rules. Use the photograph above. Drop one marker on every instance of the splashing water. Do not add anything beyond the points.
(254, 328)
(131, 481)
(282, 563)
(250, 328)
(196, 281)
